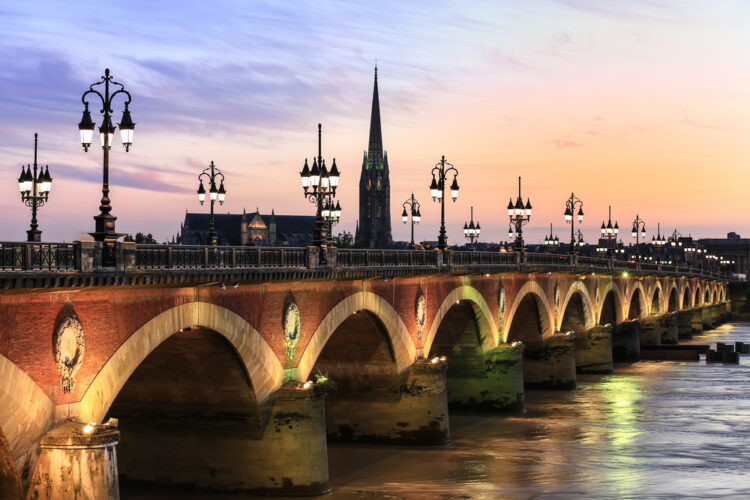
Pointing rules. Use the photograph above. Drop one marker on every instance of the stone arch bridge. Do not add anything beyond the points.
(229, 368)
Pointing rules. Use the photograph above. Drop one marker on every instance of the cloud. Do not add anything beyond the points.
(566, 143)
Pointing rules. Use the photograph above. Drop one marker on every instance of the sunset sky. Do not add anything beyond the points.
(644, 105)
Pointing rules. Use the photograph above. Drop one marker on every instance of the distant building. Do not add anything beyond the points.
(248, 229)
(374, 228)
(732, 247)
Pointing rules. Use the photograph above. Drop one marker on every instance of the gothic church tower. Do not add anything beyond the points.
(375, 186)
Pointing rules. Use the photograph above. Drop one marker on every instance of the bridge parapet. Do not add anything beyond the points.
(45, 265)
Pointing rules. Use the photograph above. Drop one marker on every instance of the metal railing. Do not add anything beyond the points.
(82, 257)
(356, 257)
(34, 256)
(149, 257)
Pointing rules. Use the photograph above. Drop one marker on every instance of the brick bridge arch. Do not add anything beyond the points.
(404, 351)
(485, 322)
(617, 299)
(641, 300)
(686, 299)
(697, 295)
(26, 413)
(589, 319)
(546, 318)
(657, 293)
(261, 364)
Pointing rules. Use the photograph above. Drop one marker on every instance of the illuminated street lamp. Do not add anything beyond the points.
(580, 241)
(437, 191)
(553, 242)
(413, 205)
(214, 195)
(105, 221)
(319, 187)
(34, 189)
(519, 215)
(471, 231)
(638, 231)
(658, 242)
(609, 232)
(570, 218)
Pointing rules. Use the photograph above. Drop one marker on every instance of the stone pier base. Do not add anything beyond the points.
(708, 319)
(626, 342)
(668, 329)
(416, 413)
(716, 311)
(594, 350)
(501, 388)
(77, 461)
(650, 331)
(684, 325)
(696, 319)
(285, 454)
(553, 366)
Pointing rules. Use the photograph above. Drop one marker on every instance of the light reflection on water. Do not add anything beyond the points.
(650, 430)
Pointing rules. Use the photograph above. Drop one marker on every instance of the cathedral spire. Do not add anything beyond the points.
(375, 147)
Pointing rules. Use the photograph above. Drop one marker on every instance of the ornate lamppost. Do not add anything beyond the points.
(34, 189)
(570, 208)
(211, 173)
(519, 215)
(580, 241)
(471, 231)
(610, 232)
(639, 229)
(319, 187)
(437, 191)
(105, 221)
(553, 242)
(658, 241)
(416, 215)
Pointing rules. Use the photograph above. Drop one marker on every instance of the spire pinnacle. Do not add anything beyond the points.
(375, 147)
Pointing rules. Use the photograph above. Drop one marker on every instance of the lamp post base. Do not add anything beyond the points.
(105, 232)
(34, 235)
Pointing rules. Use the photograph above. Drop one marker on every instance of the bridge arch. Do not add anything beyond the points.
(586, 306)
(26, 413)
(656, 301)
(636, 302)
(263, 368)
(487, 328)
(686, 302)
(697, 295)
(532, 296)
(610, 307)
(673, 302)
(404, 351)
(707, 296)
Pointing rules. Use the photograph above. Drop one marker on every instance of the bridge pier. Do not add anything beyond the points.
(696, 319)
(416, 413)
(684, 325)
(650, 331)
(716, 314)
(668, 329)
(626, 342)
(286, 454)
(708, 321)
(501, 388)
(77, 461)
(553, 366)
(594, 350)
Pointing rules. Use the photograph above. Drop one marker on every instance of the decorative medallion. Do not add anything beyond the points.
(68, 347)
(420, 310)
(291, 328)
(501, 305)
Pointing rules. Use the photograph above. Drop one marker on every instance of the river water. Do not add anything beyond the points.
(653, 429)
